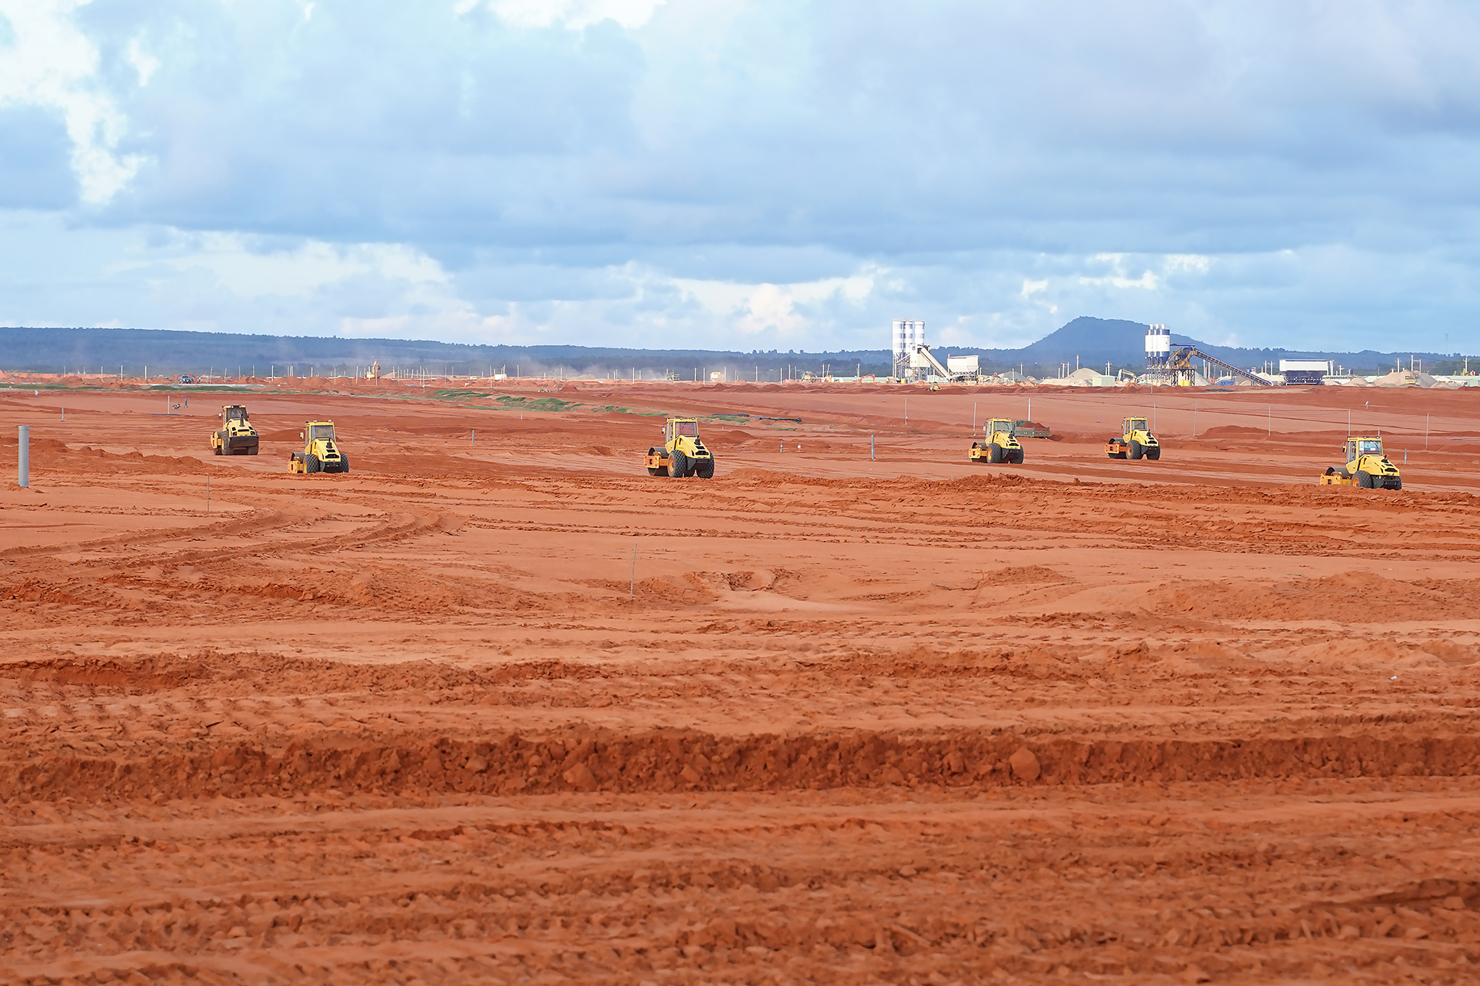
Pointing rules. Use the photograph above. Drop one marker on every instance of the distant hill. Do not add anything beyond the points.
(1091, 341)
(167, 351)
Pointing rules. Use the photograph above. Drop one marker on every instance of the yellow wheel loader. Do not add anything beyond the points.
(236, 435)
(1135, 441)
(999, 443)
(682, 453)
(320, 450)
(1366, 466)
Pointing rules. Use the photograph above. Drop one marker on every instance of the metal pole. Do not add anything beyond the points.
(23, 457)
(473, 437)
(871, 448)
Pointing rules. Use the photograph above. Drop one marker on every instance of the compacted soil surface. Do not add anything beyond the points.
(498, 707)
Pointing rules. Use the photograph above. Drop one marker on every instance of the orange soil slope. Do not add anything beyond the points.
(498, 707)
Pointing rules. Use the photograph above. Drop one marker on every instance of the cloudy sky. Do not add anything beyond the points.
(749, 174)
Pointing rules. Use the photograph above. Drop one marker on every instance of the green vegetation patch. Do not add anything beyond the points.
(461, 395)
(732, 418)
(536, 403)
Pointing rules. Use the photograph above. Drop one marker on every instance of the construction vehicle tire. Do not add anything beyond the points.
(1017, 457)
(1397, 483)
(1364, 479)
(343, 462)
(705, 468)
(678, 464)
(1154, 453)
(1135, 452)
(311, 463)
(994, 453)
(252, 450)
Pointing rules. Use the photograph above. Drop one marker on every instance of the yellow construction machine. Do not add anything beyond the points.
(682, 453)
(1366, 466)
(1135, 441)
(236, 435)
(320, 450)
(1000, 443)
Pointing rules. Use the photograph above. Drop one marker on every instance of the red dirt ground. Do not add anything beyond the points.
(499, 707)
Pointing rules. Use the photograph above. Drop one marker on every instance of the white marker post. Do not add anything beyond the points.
(23, 457)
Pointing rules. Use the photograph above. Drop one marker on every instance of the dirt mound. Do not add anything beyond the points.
(1232, 431)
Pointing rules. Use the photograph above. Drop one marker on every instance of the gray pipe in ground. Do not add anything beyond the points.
(23, 457)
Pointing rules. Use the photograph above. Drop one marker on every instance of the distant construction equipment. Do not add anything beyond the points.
(999, 443)
(966, 371)
(1179, 367)
(1165, 365)
(1366, 467)
(1135, 441)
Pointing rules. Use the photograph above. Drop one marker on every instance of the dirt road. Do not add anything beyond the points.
(498, 707)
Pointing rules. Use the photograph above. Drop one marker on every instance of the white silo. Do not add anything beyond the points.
(908, 333)
(1158, 346)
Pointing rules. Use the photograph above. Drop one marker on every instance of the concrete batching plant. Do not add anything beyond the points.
(1158, 348)
(909, 335)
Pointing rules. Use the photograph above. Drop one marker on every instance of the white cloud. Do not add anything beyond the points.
(54, 66)
(145, 65)
(752, 309)
(1190, 263)
(573, 14)
(306, 269)
(1147, 281)
(1031, 288)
